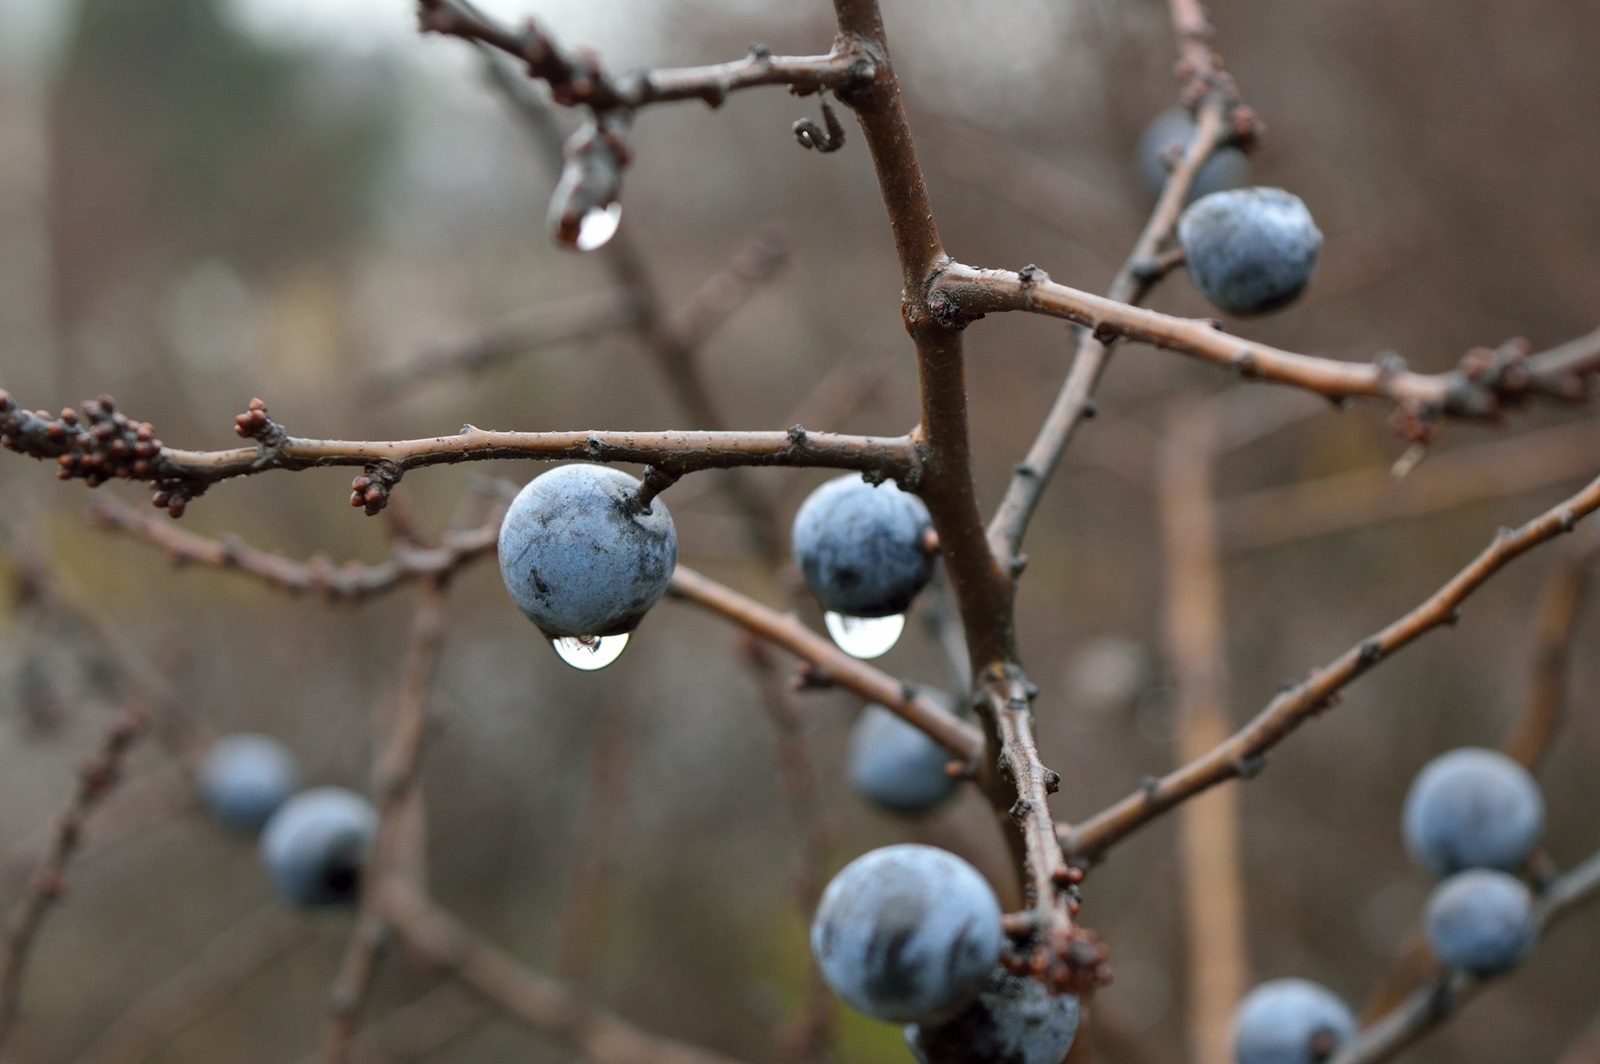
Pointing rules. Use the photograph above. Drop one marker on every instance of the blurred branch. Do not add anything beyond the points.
(98, 774)
(575, 77)
(350, 582)
(417, 1028)
(398, 847)
(184, 999)
(833, 664)
(811, 1031)
(1243, 754)
(1208, 831)
(1585, 1049)
(542, 1004)
(1480, 388)
(128, 450)
(1432, 1005)
(1456, 477)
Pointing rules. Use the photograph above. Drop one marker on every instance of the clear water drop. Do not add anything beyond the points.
(590, 652)
(865, 637)
(599, 226)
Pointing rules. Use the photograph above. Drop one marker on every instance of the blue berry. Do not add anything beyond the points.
(1482, 921)
(316, 845)
(907, 934)
(245, 778)
(580, 557)
(861, 547)
(1290, 1021)
(1250, 250)
(895, 765)
(1013, 1021)
(1473, 808)
(1171, 131)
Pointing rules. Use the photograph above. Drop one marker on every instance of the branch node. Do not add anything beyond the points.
(827, 138)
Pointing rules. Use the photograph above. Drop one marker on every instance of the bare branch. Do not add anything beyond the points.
(128, 449)
(542, 1004)
(1432, 1005)
(1481, 388)
(575, 77)
(785, 630)
(1554, 627)
(96, 777)
(1243, 754)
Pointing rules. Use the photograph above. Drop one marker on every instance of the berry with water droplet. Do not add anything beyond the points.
(581, 557)
(865, 637)
(862, 547)
(590, 653)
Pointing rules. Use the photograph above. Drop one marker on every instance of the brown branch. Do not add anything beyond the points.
(1432, 1005)
(349, 582)
(128, 449)
(837, 667)
(1243, 754)
(397, 849)
(188, 996)
(96, 777)
(1208, 831)
(1073, 404)
(1460, 476)
(541, 1004)
(1481, 388)
(417, 1028)
(575, 77)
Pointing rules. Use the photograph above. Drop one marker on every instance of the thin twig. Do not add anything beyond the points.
(349, 582)
(1208, 830)
(394, 854)
(189, 995)
(833, 664)
(542, 1004)
(1243, 754)
(98, 774)
(1432, 1005)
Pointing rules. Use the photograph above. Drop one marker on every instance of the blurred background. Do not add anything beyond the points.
(203, 201)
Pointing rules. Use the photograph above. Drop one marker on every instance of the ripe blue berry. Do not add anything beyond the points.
(580, 557)
(316, 845)
(907, 934)
(1473, 808)
(1290, 1021)
(1250, 250)
(895, 765)
(245, 778)
(1170, 131)
(861, 546)
(1482, 921)
(1013, 1021)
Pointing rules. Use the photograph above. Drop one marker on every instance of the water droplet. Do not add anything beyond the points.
(590, 652)
(599, 226)
(865, 637)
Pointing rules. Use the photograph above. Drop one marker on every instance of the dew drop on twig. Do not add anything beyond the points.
(865, 637)
(590, 652)
(598, 227)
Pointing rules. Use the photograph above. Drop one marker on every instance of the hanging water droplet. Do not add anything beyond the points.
(598, 227)
(590, 652)
(865, 637)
